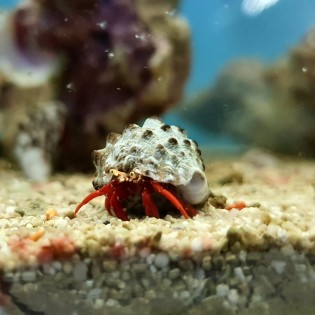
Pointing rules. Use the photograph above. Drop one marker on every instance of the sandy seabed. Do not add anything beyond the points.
(257, 260)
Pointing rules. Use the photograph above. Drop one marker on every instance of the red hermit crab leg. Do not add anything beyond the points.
(168, 195)
(121, 191)
(151, 209)
(103, 191)
(107, 201)
(192, 212)
(117, 207)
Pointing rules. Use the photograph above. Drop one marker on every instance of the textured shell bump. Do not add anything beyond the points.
(155, 150)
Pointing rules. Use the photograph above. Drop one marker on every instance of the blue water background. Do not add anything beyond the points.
(221, 32)
(4, 4)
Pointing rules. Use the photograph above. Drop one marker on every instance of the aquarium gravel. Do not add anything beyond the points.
(257, 258)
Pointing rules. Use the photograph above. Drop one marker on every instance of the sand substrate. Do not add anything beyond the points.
(257, 260)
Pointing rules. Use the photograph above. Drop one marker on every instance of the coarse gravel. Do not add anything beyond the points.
(246, 261)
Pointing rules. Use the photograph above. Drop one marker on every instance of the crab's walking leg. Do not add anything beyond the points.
(107, 201)
(168, 195)
(117, 207)
(103, 191)
(151, 209)
(190, 210)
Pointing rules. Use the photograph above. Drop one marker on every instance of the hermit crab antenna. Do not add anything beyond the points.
(103, 191)
(168, 195)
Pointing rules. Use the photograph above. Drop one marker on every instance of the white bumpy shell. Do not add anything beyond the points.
(159, 151)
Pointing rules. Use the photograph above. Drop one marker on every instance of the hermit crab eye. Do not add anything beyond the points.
(132, 175)
(111, 171)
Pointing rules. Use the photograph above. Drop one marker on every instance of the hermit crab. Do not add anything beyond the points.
(145, 162)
